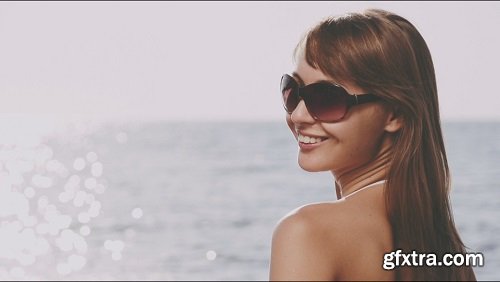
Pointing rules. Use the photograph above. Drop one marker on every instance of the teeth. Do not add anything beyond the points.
(309, 140)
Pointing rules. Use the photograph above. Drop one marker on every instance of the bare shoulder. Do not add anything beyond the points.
(323, 241)
(299, 249)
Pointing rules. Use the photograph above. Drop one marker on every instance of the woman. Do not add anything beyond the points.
(362, 103)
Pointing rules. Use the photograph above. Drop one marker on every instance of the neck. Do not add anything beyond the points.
(349, 181)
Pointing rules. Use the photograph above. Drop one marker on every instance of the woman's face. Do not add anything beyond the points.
(351, 142)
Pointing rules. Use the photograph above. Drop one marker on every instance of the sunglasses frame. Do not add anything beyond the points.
(351, 99)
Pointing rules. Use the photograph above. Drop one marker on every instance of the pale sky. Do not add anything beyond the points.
(213, 61)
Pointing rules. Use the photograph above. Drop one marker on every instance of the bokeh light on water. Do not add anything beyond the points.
(211, 255)
(137, 213)
(47, 205)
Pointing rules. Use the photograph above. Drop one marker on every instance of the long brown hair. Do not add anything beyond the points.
(385, 54)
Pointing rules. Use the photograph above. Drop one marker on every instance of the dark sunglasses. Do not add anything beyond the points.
(325, 101)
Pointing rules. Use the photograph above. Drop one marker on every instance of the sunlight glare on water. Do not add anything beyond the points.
(46, 204)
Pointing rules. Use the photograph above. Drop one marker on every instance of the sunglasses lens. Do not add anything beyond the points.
(326, 102)
(289, 90)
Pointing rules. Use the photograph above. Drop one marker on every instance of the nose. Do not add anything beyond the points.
(301, 114)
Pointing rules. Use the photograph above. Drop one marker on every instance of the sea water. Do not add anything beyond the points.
(192, 200)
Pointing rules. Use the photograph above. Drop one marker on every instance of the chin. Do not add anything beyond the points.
(312, 166)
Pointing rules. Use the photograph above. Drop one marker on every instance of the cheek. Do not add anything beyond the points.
(291, 125)
(362, 144)
(352, 144)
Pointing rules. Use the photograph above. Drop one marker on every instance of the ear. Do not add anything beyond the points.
(394, 122)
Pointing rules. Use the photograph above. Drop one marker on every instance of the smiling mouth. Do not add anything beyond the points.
(310, 139)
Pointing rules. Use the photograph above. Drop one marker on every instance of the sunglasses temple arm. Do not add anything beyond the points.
(363, 98)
